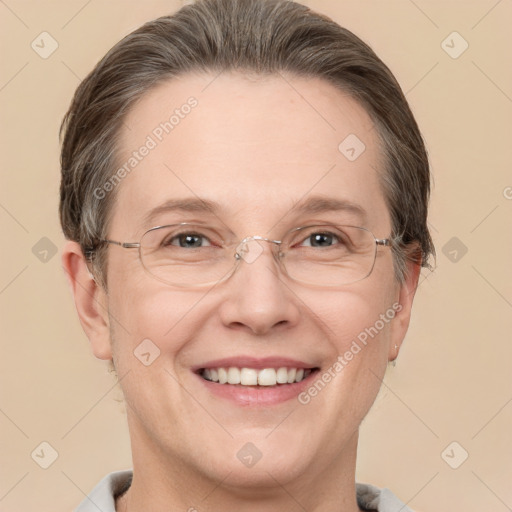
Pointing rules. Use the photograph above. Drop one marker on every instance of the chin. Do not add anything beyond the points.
(264, 474)
(257, 461)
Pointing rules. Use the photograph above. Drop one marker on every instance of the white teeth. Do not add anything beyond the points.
(249, 377)
(282, 376)
(253, 377)
(267, 377)
(233, 376)
(223, 375)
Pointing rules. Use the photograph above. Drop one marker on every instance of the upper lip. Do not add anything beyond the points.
(254, 362)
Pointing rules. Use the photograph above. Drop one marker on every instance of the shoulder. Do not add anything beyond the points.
(372, 498)
(102, 497)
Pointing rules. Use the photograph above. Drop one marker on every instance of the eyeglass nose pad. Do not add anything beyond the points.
(249, 249)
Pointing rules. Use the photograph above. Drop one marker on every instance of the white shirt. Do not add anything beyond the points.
(102, 497)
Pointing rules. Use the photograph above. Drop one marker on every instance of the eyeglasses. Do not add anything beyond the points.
(192, 255)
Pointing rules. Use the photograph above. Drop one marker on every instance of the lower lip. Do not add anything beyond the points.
(254, 396)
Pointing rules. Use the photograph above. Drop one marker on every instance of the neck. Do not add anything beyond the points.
(161, 483)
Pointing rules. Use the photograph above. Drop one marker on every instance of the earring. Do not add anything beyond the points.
(394, 360)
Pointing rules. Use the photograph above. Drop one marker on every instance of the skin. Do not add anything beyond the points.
(256, 147)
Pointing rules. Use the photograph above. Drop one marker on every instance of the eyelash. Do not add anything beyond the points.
(195, 234)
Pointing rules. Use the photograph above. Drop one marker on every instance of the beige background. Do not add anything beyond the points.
(453, 378)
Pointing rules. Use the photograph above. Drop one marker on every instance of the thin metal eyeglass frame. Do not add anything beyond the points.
(385, 242)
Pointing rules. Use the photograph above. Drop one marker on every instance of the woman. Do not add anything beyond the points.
(244, 191)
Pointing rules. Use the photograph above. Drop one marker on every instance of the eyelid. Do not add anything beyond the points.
(304, 233)
(227, 238)
(207, 231)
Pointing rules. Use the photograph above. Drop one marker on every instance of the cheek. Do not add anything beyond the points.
(359, 326)
(362, 315)
(344, 391)
(359, 330)
(149, 317)
(150, 326)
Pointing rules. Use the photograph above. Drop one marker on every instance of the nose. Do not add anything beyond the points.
(258, 296)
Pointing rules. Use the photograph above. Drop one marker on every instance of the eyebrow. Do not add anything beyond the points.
(322, 204)
(186, 204)
(311, 205)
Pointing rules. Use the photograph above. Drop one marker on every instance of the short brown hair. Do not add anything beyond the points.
(257, 37)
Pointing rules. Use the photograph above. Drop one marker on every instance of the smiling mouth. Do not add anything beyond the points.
(256, 377)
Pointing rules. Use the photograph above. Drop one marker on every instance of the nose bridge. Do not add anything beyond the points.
(250, 248)
(256, 298)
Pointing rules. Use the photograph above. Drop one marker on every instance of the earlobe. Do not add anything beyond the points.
(403, 309)
(90, 298)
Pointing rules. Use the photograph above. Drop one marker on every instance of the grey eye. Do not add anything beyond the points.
(187, 240)
(321, 239)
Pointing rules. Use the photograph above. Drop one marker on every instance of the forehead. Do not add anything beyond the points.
(255, 147)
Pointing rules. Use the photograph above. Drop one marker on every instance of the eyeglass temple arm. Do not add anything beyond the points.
(126, 245)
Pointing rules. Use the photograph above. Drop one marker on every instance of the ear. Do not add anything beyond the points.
(406, 293)
(91, 300)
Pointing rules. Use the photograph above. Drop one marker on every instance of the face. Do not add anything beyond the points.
(256, 149)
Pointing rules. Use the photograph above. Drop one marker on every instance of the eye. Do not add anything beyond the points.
(187, 240)
(322, 239)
